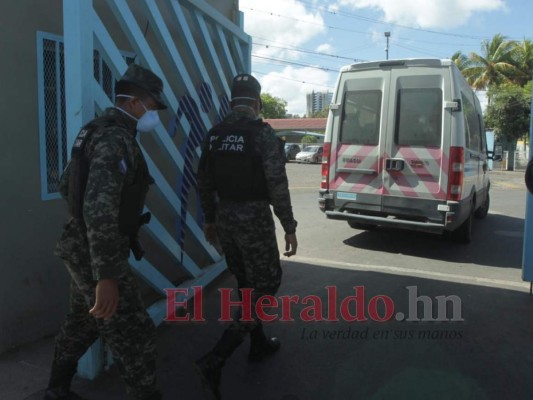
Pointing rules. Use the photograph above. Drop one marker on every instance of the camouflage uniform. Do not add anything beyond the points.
(94, 248)
(246, 229)
(240, 174)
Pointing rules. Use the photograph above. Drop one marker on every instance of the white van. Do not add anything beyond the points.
(405, 147)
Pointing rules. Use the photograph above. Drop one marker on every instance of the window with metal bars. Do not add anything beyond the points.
(52, 121)
(52, 118)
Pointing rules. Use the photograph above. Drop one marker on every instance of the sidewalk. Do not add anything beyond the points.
(487, 356)
(508, 179)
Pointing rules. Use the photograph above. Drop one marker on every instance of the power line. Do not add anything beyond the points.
(307, 52)
(367, 33)
(418, 50)
(295, 63)
(374, 20)
(378, 21)
(297, 80)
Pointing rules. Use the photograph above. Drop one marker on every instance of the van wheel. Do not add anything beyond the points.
(482, 211)
(463, 234)
(361, 226)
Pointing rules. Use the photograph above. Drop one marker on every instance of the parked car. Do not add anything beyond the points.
(291, 149)
(311, 154)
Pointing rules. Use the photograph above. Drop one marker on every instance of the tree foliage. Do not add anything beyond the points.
(509, 113)
(309, 139)
(320, 114)
(496, 64)
(273, 107)
(504, 69)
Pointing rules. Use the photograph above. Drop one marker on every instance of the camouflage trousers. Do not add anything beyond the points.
(130, 333)
(247, 235)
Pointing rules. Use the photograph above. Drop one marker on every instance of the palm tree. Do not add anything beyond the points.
(496, 65)
(461, 60)
(524, 59)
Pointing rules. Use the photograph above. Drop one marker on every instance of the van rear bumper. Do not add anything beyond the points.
(433, 217)
(387, 221)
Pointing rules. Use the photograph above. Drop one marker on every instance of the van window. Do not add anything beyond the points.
(360, 117)
(472, 125)
(419, 117)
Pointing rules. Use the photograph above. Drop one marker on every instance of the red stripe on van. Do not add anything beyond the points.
(425, 176)
(403, 184)
(366, 180)
(362, 153)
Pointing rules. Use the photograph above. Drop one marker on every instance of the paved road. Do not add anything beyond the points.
(494, 255)
(480, 349)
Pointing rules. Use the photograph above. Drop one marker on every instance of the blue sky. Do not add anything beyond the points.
(300, 45)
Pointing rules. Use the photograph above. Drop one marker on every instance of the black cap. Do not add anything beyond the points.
(245, 85)
(145, 79)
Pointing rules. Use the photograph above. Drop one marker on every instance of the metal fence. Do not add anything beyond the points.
(519, 163)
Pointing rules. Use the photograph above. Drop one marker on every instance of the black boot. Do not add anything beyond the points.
(209, 367)
(261, 346)
(59, 385)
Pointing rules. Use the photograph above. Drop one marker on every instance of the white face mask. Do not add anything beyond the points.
(148, 121)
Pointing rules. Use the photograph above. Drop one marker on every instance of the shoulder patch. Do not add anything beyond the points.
(80, 139)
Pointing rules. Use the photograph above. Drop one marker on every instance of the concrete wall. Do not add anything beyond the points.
(33, 282)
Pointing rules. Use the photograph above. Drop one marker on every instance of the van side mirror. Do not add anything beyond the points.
(496, 154)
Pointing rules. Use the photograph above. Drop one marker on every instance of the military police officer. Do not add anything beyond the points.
(241, 173)
(105, 185)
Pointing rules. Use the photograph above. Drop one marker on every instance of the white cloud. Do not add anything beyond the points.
(296, 26)
(427, 13)
(325, 48)
(292, 85)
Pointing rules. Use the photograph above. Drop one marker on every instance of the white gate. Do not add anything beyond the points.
(196, 51)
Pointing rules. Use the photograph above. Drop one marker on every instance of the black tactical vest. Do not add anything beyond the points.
(133, 195)
(236, 162)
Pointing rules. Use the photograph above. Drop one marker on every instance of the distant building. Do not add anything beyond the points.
(317, 101)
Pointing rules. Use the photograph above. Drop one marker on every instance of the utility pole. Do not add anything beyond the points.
(387, 35)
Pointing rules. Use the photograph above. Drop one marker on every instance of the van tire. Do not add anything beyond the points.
(482, 211)
(463, 234)
(361, 226)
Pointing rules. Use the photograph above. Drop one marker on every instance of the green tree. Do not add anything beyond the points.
(496, 65)
(273, 107)
(308, 139)
(509, 115)
(320, 114)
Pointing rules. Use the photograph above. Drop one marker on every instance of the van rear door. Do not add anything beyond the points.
(355, 166)
(415, 159)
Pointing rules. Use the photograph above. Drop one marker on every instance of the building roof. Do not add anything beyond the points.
(317, 124)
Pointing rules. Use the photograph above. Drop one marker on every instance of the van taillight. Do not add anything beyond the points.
(324, 184)
(455, 173)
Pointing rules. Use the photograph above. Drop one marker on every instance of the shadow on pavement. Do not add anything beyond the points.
(485, 356)
(497, 241)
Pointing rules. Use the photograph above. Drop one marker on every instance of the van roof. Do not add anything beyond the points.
(408, 62)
